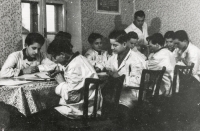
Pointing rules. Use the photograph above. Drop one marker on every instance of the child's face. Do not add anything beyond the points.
(152, 47)
(97, 45)
(116, 47)
(33, 50)
(132, 43)
(169, 43)
(62, 58)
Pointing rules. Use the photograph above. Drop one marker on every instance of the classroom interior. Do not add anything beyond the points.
(80, 18)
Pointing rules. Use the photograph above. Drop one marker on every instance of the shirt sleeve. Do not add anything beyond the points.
(70, 90)
(46, 64)
(194, 58)
(8, 69)
(91, 58)
(134, 76)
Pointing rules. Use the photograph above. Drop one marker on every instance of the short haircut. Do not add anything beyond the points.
(169, 34)
(156, 38)
(119, 35)
(93, 36)
(139, 13)
(67, 35)
(133, 35)
(181, 35)
(34, 37)
(60, 44)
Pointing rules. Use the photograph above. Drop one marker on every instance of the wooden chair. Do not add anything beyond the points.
(186, 70)
(87, 122)
(149, 84)
(148, 99)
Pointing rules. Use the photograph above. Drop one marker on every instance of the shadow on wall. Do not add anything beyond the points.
(155, 26)
(118, 23)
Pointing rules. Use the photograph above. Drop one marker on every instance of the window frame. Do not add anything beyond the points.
(41, 13)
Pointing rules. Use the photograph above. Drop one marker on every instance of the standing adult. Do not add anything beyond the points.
(139, 26)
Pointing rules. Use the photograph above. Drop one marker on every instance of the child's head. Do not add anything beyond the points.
(156, 41)
(95, 41)
(33, 44)
(60, 48)
(132, 39)
(118, 40)
(169, 38)
(181, 39)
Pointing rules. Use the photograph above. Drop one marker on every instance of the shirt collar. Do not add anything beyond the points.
(159, 50)
(73, 56)
(123, 56)
(27, 57)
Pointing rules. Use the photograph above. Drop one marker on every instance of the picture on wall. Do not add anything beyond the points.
(108, 6)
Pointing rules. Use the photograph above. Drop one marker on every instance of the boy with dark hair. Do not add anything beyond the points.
(133, 44)
(75, 69)
(160, 57)
(29, 60)
(187, 53)
(96, 56)
(125, 62)
(139, 27)
(169, 37)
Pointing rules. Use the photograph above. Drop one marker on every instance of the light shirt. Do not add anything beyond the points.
(132, 67)
(142, 35)
(190, 55)
(156, 61)
(71, 100)
(96, 59)
(16, 62)
(142, 56)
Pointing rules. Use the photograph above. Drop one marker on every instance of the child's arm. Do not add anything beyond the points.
(46, 64)
(9, 68)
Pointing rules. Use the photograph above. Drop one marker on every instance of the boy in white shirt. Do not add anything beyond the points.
(29, 60)
(169, 43)
(133, 44)
(96, 56)
(74, 69)
(187, 53)
(160, 57)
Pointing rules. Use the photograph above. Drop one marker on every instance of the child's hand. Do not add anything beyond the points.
(53, 74)
(97, 69)
(59, 78)
(30, 69)
(113, 74)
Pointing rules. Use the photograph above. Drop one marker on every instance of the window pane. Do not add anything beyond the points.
(50, 18)
(25, 17)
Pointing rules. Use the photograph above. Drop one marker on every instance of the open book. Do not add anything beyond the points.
(40, 76)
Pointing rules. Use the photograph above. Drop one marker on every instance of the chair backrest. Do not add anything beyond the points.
(187, 70)
(150, 84)
(96, 83)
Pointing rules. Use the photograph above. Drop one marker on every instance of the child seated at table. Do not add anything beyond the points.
(187, 53)
(76, 69)
(96, 56)
(133, 44)
(161, 56)
(29, 60)
(169, 43)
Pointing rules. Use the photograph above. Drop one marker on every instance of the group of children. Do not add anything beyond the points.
(126, 59)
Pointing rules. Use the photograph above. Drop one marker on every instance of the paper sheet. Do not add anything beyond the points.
(35, 76)
(12, 82)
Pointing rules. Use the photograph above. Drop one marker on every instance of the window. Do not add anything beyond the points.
(44, 16)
